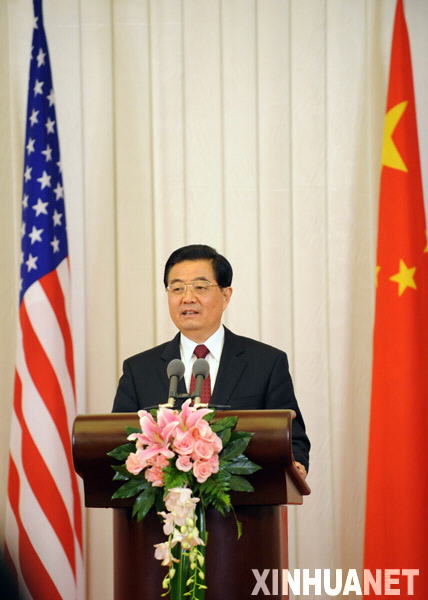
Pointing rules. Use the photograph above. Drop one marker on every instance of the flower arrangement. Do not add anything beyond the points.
(181, 462)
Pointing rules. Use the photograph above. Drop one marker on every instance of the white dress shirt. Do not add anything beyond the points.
(215, 346)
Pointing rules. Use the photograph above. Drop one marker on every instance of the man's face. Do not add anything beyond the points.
(197, 316)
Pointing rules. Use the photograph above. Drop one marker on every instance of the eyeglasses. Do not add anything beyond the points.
(199, 287)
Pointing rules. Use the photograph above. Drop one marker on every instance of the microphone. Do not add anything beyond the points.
(175, 371)
(201, 369)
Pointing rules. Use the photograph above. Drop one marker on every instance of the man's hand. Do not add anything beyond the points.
(301, 469)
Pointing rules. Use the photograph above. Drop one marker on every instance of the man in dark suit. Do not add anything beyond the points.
(244, 373)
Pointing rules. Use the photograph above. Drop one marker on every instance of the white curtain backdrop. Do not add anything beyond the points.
(254, 126)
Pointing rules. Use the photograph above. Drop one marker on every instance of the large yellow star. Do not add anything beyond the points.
(404, 277)
(390, 155)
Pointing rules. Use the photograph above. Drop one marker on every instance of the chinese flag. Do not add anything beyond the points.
(396, 535)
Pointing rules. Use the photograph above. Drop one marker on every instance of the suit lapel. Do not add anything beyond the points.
(171, 351)
(232, 365)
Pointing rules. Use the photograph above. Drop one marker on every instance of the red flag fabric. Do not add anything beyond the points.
(44, 512)
(397, 485)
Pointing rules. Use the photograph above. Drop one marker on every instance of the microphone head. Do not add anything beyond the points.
(201, 367)
(175, 367)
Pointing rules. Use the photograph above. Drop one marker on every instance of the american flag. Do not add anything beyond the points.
(44, 515)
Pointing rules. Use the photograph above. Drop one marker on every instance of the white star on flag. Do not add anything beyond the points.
(33, 116)
(31, 262)
(49, 125)
(35, 235)
(27, 173)
(59, 191)
(57, 218)
(51, 98)
(30, 145)
(41, 58)
(38, 87)
(48, 153)
(45, 180)
(25, 201)
(40, 207)
(55, 244)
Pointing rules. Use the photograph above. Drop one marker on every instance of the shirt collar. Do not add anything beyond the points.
(214, 343)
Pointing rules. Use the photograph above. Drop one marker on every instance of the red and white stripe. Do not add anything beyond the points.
(44, 515)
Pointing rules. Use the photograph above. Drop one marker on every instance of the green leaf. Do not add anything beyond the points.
(144, 502)
(239, 528)
(175, 478)
(246, 437)
(123, 471)
(225, 436)
(210, 416)
(159, 503)
(220, 501)
(225, 423)
(178, 582)
(242, 434)
(234, 449)
(241, 465)
(239, 484)
(130, 488)
(120, 477)
(222, 504)
(215, 484)
(121, 452)
(129, 430)
(213, 492)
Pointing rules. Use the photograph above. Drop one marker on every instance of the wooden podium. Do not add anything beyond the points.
(229, 565)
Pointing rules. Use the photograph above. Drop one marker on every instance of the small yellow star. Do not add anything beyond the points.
(377, 275)
(426, 247)
(390, 155)
(404, 277)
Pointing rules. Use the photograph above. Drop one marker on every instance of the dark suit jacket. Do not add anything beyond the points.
(251, 375)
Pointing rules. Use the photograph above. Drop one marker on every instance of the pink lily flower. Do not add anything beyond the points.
(190, 416)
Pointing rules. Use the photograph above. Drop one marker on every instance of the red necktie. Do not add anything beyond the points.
(200, 352)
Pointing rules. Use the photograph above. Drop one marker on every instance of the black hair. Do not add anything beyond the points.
(221, 266)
